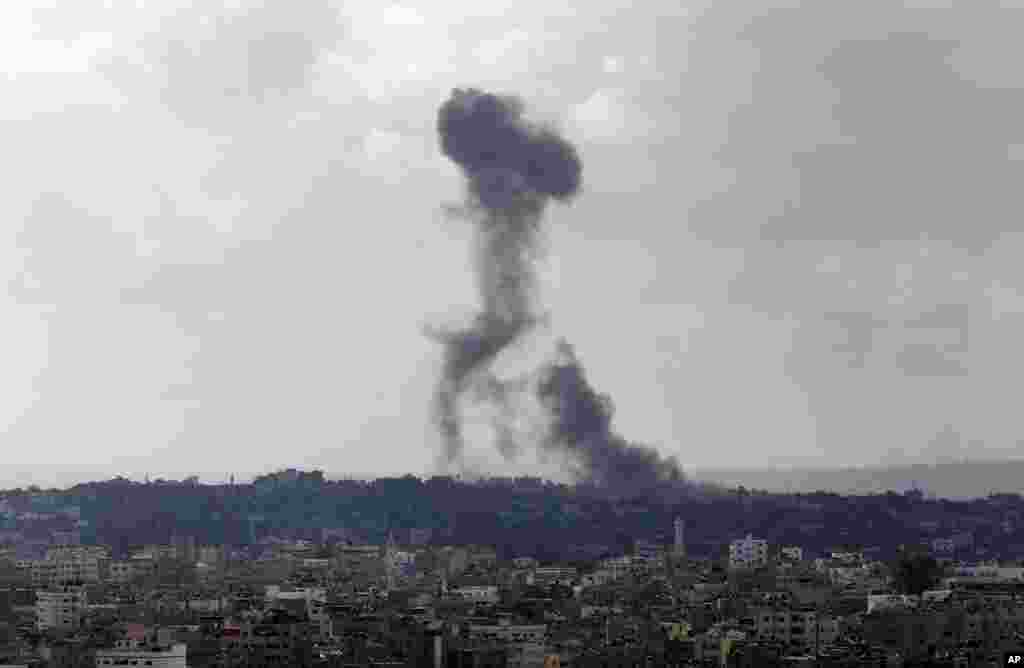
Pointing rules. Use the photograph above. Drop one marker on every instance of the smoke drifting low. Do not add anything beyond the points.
(513, 169)
(582, 426)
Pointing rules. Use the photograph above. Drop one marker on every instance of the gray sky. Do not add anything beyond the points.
(797, 243)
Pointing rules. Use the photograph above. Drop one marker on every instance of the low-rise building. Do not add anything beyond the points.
(795, 627)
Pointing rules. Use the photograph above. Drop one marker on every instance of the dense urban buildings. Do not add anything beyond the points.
(353, 594)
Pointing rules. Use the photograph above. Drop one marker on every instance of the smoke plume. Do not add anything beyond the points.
(581, 426)
(513, 169)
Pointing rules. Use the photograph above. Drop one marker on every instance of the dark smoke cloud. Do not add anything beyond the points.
(513, 169)
(582, 427)
(504, 157)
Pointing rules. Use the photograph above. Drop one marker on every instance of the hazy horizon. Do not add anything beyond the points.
(944, 479)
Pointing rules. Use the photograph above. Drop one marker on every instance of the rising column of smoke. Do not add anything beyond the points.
(513, 169)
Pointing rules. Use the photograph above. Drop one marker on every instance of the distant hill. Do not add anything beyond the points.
(950, 480)
(530, 516)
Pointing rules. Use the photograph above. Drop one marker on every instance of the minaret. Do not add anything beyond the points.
(679, 544)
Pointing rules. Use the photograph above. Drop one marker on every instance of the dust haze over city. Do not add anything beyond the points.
(784, 235)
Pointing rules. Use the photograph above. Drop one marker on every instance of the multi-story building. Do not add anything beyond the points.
(748, 552)
(61, 608)
(67, 564)
(798, 628)
(43, 573)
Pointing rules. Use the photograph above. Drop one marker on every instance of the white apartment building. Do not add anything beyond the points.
(748, 552)
(142, 653)
(61, 608)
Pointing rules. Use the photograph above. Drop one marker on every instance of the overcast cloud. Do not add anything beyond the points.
(798, 238)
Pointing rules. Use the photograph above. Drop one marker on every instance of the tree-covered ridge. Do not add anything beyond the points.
(521, 515)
